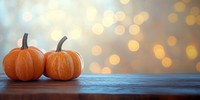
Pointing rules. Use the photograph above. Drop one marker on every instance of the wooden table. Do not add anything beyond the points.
(111, 87)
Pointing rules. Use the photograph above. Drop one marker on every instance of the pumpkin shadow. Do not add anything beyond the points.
(43, 85)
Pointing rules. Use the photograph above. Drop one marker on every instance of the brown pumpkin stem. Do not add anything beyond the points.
(59, 46)
(24, 41)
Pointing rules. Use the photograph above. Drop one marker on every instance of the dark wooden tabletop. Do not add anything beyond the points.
(99, 87)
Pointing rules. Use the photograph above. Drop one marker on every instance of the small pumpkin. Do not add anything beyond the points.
(63, 64)
(25, 63)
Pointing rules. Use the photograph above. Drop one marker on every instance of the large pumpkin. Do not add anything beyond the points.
(63, 64)
(25, 63)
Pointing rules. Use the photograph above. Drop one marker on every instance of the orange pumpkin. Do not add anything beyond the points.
(63, 64)
(25, 63)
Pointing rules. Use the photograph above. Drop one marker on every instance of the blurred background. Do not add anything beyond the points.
(113, 36)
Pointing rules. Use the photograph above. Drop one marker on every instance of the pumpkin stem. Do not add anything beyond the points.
(24, 41)
(59, 46)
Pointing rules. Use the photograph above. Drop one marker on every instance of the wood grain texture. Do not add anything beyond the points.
(99, 87)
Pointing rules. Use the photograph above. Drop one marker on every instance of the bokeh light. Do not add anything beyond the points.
(159, 51)
(120, 16)
(109, 18)
(191, 52)
(119, 30)
(173, 17)
(134, 29)
(171, 41)
(91, 13)
(190, 20)
(124, 1)
(133, 45)
(98, 29)
(114, 59)
(179, 6)
(166, 62)
(106, 70)
(194, 11)
(138, 19)
(75, 33)
(145, 15)
(96, 50)
(56, 35)
(95, 67)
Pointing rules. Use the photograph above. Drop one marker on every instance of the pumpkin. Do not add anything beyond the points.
(25, 63)
(63, 64)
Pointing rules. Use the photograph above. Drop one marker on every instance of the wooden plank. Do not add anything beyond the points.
(115, 86)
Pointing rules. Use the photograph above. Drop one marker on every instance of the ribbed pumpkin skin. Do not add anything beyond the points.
(25, 65)
(63, 65)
